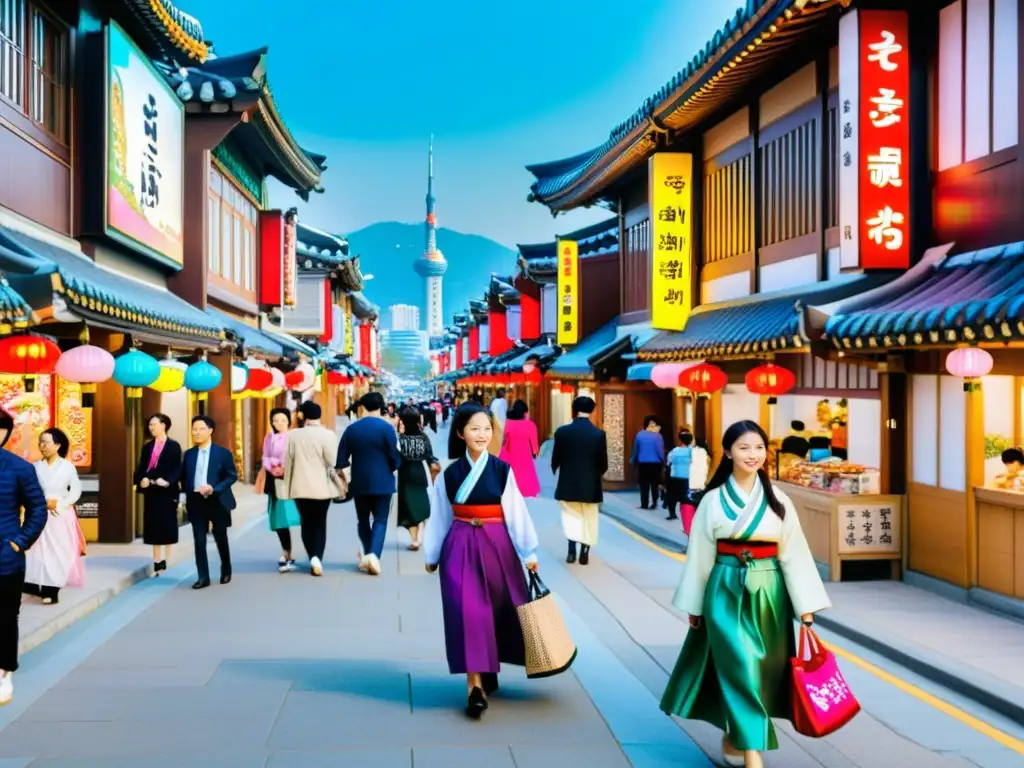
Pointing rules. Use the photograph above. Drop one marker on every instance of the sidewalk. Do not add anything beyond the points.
(111, 569)
(974, 652)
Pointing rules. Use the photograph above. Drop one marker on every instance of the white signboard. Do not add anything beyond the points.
(870, 528)
(848, 115)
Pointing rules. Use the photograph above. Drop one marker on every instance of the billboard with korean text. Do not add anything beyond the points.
(145, 148)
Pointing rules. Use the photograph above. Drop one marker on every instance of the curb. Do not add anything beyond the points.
(35, 638)
(980, 688)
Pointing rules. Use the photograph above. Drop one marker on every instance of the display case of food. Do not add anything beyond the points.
(834, 476)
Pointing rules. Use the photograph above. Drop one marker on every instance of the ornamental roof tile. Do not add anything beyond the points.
(321, 248)
(14, 310)
(540, 259)
(973, 297)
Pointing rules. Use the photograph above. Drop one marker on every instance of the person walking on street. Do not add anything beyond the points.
(56, 559)
(479, 536)
(499, 412)
(520, 448)
(649, 458)
(580, 457)
(679, 461)
(413, 480)
(209, 472)
(370, 447)
(157, 478)
(282, 514)
(19, 490)
(311, 481)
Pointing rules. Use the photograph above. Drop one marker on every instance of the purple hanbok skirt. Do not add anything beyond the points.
(482, 582)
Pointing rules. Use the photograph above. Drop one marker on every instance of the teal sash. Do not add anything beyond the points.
(747, 514)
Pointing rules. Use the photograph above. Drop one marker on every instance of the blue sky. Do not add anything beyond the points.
(500, 85)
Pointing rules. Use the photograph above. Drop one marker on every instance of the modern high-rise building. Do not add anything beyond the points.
(404, 317)
(431, 266)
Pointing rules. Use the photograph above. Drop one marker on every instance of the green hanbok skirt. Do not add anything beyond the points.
(733, 671)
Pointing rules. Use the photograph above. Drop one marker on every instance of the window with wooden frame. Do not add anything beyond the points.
(35, 67)
(636, 267)
(789, 156)
(231, 236)
(728, 205)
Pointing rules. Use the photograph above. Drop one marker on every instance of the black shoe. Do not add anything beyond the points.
(476, 704)
(672, 516)
(161, 566)
(584, 554)
(571, 557)
(201, 584)
(489, 681)
(225, 579)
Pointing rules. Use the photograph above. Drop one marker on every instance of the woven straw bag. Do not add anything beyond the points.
(549, 649)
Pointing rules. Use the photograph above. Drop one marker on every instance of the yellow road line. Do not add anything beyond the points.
(1000, 737)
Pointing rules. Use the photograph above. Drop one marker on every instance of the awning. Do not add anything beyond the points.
(629, 340)
(100, 295)
(764, 322)
(969, 298)
(575, 363)
(544, 353)
(250, 337)
(639, 372)
(14, 310)
(290, 343)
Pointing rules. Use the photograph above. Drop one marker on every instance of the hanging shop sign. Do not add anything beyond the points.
(278, 268)
(145, 154)
(874, 140)
(670, 176)
(568, 292)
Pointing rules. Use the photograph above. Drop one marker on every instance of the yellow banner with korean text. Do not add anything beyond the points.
(670, 176)
(568, 306)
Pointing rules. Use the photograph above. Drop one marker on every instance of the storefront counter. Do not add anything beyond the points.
(1000, 541)
(847, 527)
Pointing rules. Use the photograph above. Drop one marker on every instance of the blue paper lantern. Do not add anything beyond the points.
(135, 370)
(201, 377)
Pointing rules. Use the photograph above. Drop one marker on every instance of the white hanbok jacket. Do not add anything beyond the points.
(57, 553)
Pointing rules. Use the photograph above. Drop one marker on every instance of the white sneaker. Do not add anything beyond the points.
(6, 688)
(372, 565)
(286, 566)
(363, 560)
(315, 566)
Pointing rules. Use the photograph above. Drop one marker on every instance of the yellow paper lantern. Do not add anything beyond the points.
(172, 376)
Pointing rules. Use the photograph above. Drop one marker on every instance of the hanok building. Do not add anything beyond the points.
(773, 196)
(91, 239)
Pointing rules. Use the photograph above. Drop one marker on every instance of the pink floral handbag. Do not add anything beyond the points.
(822, 701)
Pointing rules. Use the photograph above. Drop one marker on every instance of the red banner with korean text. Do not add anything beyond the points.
(884, 140)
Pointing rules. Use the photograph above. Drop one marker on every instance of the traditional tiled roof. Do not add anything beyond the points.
(14, 310)
(758, 324)
(628, 341)
(757, 35)
(316, 249)
(574, 364)
(248, 338)
(92, 292)
(502, 290)
(168, 30)
(363, 308)
(286, 340)
(238, 83)
(974, 297)
(540, 260)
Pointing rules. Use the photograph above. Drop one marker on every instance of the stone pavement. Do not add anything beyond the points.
(111, 569)
(977, 653)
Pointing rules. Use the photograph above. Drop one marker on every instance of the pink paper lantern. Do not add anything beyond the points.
(969, 363)
(666, 375)
(88, 366)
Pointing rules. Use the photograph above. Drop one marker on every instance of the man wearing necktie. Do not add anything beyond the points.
(209, 474)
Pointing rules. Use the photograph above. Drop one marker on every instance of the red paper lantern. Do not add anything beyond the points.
(28, 356)
(771, 380)
(293, 380)
(259, 380)
(338, 378)
(703, 379)
(568, 389)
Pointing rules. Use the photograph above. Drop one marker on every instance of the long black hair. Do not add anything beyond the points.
(725, 466)
(465, 412)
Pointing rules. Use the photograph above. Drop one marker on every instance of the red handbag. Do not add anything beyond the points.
(822, 701)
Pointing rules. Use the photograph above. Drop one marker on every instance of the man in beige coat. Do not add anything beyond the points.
(310, 479)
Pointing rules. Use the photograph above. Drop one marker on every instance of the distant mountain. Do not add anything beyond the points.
(388, 249)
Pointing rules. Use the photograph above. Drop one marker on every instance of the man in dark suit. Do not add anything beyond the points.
(208, 476)
(370, 447)
(580, 457)
(19, 489)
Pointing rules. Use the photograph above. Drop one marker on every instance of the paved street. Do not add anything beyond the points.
(289, 670)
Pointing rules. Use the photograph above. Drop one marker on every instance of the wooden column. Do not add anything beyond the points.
(220, 407)
(113, 461)
(974, 434)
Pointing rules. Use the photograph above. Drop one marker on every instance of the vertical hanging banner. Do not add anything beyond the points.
(289, 267)
(874, 95)
(670, 176)
(568, 292)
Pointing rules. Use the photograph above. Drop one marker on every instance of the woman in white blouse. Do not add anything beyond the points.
(55, 560)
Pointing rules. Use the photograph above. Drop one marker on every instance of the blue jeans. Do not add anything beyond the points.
(372, 539)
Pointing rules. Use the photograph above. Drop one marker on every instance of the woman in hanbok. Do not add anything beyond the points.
(413, 480)
(520, 448)
(282, 514)
(55, 560)
(749, 572)
(479, 535)
(156, 478)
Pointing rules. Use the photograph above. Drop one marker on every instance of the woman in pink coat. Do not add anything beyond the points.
(519, 448)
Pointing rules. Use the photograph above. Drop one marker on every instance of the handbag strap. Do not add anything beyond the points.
(810, 642)
(537, 587)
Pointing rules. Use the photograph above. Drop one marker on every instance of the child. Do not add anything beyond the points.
(679, 460)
